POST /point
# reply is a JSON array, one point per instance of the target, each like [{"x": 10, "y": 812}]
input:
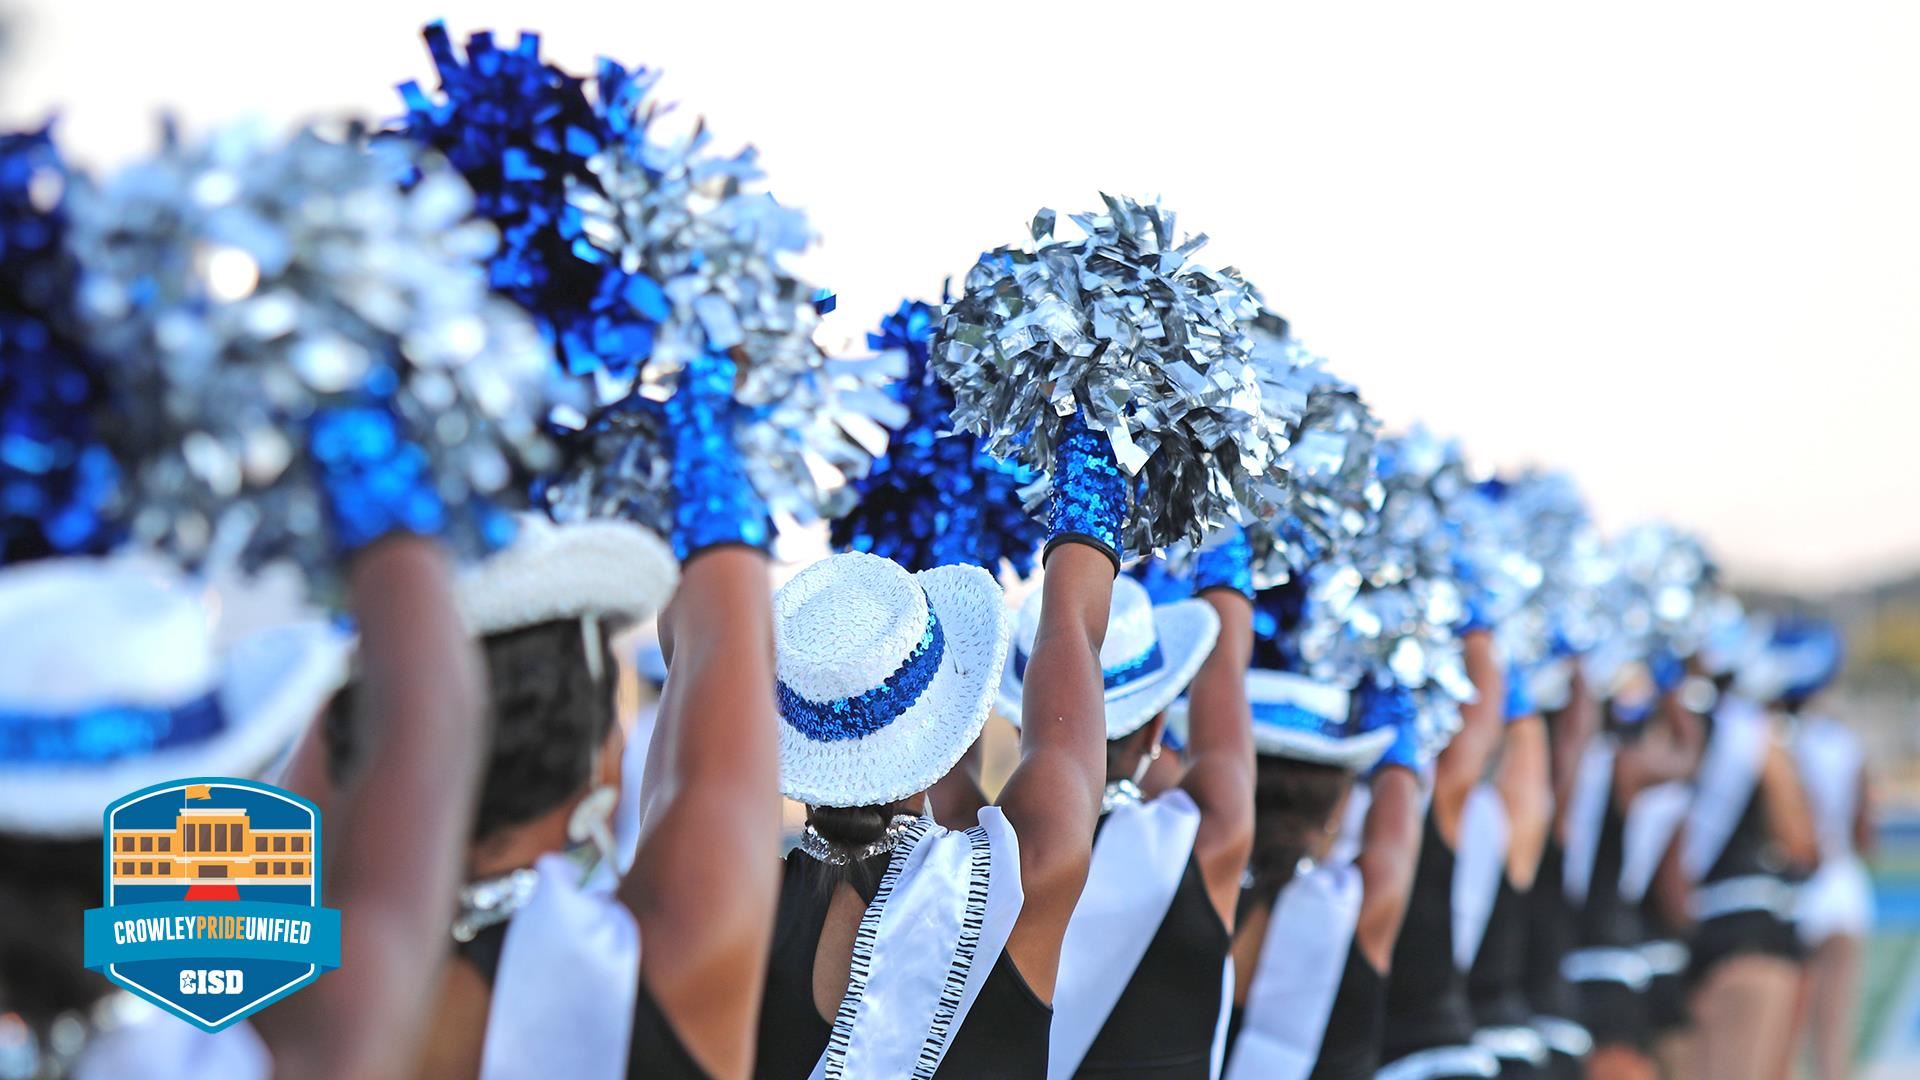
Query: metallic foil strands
[
  {"x": 304, "y": 353},
  {"x": 1125, "y": 328},
  {"x": 936, "y": 497},
  {"x": 57, "y": 481},
  {"x": 638, "y": 255}
]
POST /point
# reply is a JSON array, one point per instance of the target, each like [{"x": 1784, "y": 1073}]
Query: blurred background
[{"x": 1670, "y": 247}]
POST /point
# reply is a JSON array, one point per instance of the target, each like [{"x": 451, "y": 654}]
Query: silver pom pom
[
  {"x": 705, "y": 257},
  {"x": 244, "y": 287},
  {"x": 1150, "y": 345}
]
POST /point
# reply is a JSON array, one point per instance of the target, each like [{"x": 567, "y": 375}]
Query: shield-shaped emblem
[{"x": 212, "y": 898}]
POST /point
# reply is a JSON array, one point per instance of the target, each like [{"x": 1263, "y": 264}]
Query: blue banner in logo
[
  {"x": 233, "y": 930},
  {"x": 213, "y": 898}
]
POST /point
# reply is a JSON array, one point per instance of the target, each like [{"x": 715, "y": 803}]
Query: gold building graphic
[{"x": 212, "y": 845}]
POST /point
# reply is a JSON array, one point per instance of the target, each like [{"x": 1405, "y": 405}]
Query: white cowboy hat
[
  {"x": 1307, "y": 720},
  {"x": 1149, "y": 656},
  {"x": 111, "y": 681},
  {"x": 610, "y": 569},
  {"x": 885, "y": 677}
]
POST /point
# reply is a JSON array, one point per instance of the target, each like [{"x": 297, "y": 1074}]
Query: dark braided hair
[
  {"x": 1293, "y": 803},
  {"x": 550, "y": 716},
  {"x": 45, "y": 887}
]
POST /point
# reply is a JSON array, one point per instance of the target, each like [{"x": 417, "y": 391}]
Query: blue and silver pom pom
[
  {"x": 936, "y": 498},
  {"x": 1127, "y": 330},
  {"x": 304, "y": 353},
  {"x": 1335, "y": 490},
  {"x": 57, "y": 482},
  {"x": 638, "y": 255}
]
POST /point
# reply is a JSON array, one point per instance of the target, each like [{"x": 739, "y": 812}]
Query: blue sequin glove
[
  {"x": 1519, "y": 694},
  {"x": 714, "y": 502},
  {"x": 374, "y": 483},
  {"x": 1668, "y": 670},
  {"x": 1087, "y": 503},
  {"x": 1225, "y": 562},
  {"x": 1393, "y": 708}
]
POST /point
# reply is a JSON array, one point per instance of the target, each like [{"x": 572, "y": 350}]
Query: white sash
[
  {"x": 1353, "y": 825},
  {"x": 162, "y": 1046},
  {"x": 1653, "y": 817},
  {"x": 633, "y": 769},
  {"x": 1138, "y": 861},
  {"x": 1829, "y": 757},
  {"x": 1586, "y": 811},
  {"x": 938, "y": 922},
  {"x": 1218, "y": 1058},
  {"x": 1300, "y": 967},
  {"x": 563, "y": 998},
  {"x": 1479, "y": 866},
  {"x": 1728, "y": 774}
]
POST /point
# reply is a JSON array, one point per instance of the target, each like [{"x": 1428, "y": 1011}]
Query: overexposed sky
[{"x": 1673, "y": 247}]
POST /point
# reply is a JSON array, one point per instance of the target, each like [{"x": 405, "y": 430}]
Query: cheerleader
[
  {"x": 1748, "y": 835},
  {"x": 1503, "y": 836},
  {"x": 1144, "y": 963},
  {"x": 1429, "y": 1024},
  {"x": 902, "y": 947},
  {"x": 548, "y": 934},
  {"x": 1316, "y": 925},
  {"x": 1650, "y": 739},
  {"x": 1571, "y": 715},
  {"x": 1834, "y": 913},
  {"x": 96, "y": 645}
]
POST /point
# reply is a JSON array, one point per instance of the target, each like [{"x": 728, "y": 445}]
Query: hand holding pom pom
[{"x": 715, "y": 504}]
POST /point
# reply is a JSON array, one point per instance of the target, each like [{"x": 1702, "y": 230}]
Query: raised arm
[
  {"x": 1526, "y": 791},
  {"x": 1389, "y": 855},
  {"x": 397, "y": 836},
  {"x": 1573, "y": 727},
  {"x": 1220, "y": 766},
  {"x": 1053, "y": 797},
  {"x": 1464, "y": 761},
  {"x": 705, "y": 877}
]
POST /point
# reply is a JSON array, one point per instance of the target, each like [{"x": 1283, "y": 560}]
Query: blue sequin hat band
[
  {"x": 1119, "y": 677},
  {"x": 1304, "y": 719},
  {"x": 108, "y": 734},
  {"x": 1150, "y": 654},
  {"x": 119, "y": 673},
  {"x": 884, "y": 678},
  {"x": 864, "y": 714}
]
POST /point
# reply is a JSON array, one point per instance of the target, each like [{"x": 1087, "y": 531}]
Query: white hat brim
[
  {"x": 929, "y": 737},
  {"x": 612, "y": 569},
  {"x": 1187, "y": 630},
  {"x": 272, "y": 684},
  {"x": 1355, "y": 752}
]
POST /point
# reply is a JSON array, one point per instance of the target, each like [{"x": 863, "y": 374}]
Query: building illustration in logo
[
  {"x": 212, "y": 898},
  {"x": 212, "y": 844}
]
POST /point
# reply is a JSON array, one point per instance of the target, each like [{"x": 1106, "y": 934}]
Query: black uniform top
[
  {"x": 1552, "y": 928},
  {"x": 1351, "y": 1048},
  {"x": 1004, "y": 1034},
  {"x": 1426, "y": 998},
  {"x": 1164, "y": 1023},
  {"x": 653, "y": 1048},
  {"x": 1750, "y": 848},
  {"x": 1608, "y": 919},
  {"x": 1496, "y": 984}
]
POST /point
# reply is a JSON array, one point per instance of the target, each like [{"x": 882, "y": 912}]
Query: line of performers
[{"x": 1335, "y": 758}]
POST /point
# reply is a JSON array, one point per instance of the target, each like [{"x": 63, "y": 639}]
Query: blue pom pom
[
  {"x": 521, "y": 132},
  {"x": 56, "y": 479},
  {"x": 936, "y": 498}
]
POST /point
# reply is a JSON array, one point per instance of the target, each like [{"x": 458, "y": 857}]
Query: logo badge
[{"x": 213, "y": 899}]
